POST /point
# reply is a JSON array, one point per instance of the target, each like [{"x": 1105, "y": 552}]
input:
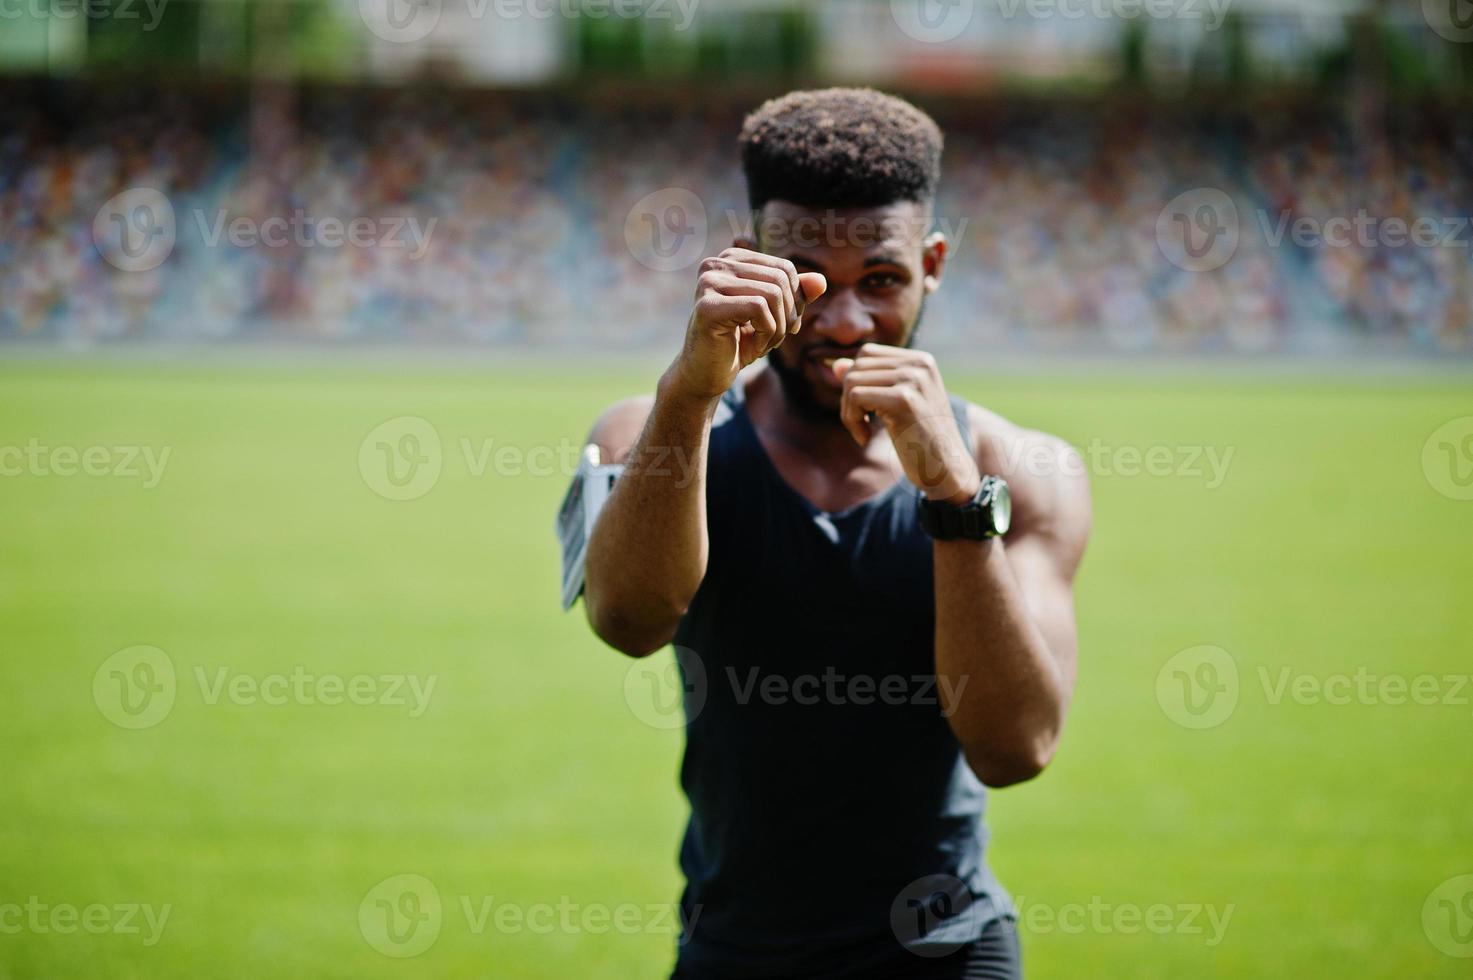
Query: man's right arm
[{"x": 647, "y": 553}]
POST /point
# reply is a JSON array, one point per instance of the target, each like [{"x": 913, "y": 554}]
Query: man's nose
[{"x": 841, "y": 318}]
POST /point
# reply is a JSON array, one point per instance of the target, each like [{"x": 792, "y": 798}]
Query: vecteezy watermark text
[
  {"x": 301, "y": 230},
  {"x": 940, "y": 21},
  {"x": 1200, "y": 230},
  {"x": 403, "y": 458},
  {"x": 125, "y": 462},
  {"x": 137, "y": 230},
  {"x": 835, "y": 688},
  {"x": 1362, "y": 229},
  {"x": 668, "y": 693},
  {"x": 403, "y": 915},
  {"x": 1103, "y": 917},
  {"x": 1201, "y": 687},
  {"x": 137, "y": 687},
  {"x": 97, "y": 918},
  {"x": 92, "y": 10},
  {"x": 411, "y": 21}
]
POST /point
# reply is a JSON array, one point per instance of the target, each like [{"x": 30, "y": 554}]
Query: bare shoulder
[
  {"x": 1047, "y": 477},
  {"x": 616, "y": 430}
]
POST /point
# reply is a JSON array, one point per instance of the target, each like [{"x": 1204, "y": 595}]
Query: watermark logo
[
  {"x": 400, "y": 459},
  {"x": 1447, "y": 917},
  {"x": 401, "y": 915},
  {"x": 1198, "y": 230},
  {"x": 1451, "y": 19},
  {"x": 666, "y": 230},
  {"x": 400, "y": 21},
  {"x": 935, "y": 915},
  {"x": 297, "y": 229},
  {"x": 138, "y": 229},
  {"x": 135, "y": 687},
  {"x": 1447, "y": 458},
  {"x": 135, "y": 231},
  {"x": 1198, "y": 687},
  {"x": 666, "y": 693},
  {"x": 411, "y": 691},
  {"x": 404, "y": 457},
  {"x": 933, "y": 21}
]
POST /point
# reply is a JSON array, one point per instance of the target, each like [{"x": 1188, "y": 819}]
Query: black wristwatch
[{"x": 987, "y": 515}]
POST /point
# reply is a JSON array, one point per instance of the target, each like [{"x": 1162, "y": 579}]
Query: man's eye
[{"x": 882, "y": 280}]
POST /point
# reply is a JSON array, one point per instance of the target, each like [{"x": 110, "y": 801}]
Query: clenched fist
[
  {"x": 903, "y": 388},
  {"x": 746, "y": 304}
]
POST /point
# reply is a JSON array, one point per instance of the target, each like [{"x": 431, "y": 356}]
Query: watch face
[{"x": 1002, "y": 507}]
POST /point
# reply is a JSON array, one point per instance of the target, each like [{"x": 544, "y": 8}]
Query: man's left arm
[
  {"x": 1006, "y": 643},
  {"x": 1005, "y": 637}
]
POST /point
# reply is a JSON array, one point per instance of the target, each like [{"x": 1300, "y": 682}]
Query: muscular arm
[
  {"x": 1006, "y": 643},
  {"x": 647, "y": 554}
]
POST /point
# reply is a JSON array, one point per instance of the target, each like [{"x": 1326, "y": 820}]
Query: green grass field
[{"x": 527, "y": 780}]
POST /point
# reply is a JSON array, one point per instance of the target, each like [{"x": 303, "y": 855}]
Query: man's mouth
[{"x": 823, "y": 367}]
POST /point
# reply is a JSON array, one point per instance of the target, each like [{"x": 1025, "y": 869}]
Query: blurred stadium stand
[{"x": 527, "y": 140}]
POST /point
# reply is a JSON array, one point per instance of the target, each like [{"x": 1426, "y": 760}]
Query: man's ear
[{"x": 933, "y": 259}]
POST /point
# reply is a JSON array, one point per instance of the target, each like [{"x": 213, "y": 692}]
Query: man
[{"x": 822, "y": 538}]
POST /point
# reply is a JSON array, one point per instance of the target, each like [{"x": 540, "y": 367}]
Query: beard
[
  {"x": 799, "y": 393},
  {"x": 802, "y": 395}
]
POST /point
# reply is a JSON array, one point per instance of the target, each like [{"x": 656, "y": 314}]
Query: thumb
[
  {"x": 813, "y": 285},
  {"x": 855, "y": 419}
]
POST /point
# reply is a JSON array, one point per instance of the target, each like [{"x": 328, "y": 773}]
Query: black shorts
[{"x": 994, "y": 956}]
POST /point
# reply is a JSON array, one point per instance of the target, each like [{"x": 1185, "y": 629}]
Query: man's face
[{"x": 880, "y": 264}]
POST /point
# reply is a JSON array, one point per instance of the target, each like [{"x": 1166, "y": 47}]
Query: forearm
[
  {"x": 647, "y": 554},
  {"x": 1005, "y": 693}
]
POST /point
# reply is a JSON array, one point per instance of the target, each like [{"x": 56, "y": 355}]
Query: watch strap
[{"x": 970, "y": 521}]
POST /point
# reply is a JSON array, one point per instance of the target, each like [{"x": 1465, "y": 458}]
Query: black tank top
[{"x": 825, "y": 785}]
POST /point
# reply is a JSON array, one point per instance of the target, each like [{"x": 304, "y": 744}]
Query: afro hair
[{"x": 840, "y": 147}]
